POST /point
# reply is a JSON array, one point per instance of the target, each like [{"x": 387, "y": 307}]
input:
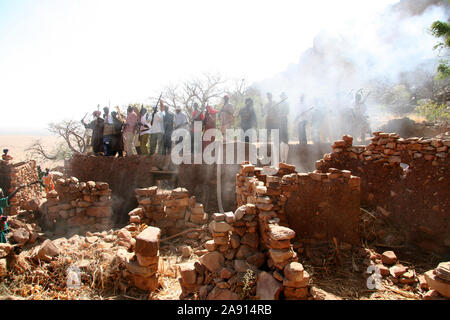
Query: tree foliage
[{"x": 441, "y": 30}]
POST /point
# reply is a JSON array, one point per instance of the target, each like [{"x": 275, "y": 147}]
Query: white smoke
[{"x": 364, "y": 54}]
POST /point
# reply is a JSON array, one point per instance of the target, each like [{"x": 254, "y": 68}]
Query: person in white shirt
[
  {"x": 144, "y": 131},
  {"x": 157, "y": 130},
  {"x": 181, "y": 122}
]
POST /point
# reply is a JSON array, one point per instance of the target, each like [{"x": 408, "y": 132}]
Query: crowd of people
[{"x": 147, "y": 133}]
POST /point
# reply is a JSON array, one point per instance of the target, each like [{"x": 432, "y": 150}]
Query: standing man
[
  {"x": 283, "y": 111},
  {"x": 108, "y": 132},
  {"x": 97, "y": 126},
  {"x": 137, "y": 140},
  {"x": 226, "y": 116},
  {"x": 168, "y": 129},
  {"x": 248, "y": 117},
  {"x": 209, "y": 123},
  {"x": 302, "y": 120},
  {"x": 197, "y": 115},
  {"x": 157, "y": 130},
  {"x": 269, "y": 112},
  {"x": 130, "y": 131},
  {"x": 144, "y": 133},
  {"x": 118, "y": 145},
  {"x": 181, "y": 122}
]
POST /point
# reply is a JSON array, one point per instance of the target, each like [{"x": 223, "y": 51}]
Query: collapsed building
[{"x": 271, "y": 214}]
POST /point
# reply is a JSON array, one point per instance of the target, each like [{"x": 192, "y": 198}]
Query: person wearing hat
[
  {"x": 96, "y": 126},
  {"x": 226, "y": 116}
]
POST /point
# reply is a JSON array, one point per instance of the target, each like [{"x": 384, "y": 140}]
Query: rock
[
  {"x": 21, "y": 236},
  {"x": 135, "y": 268},
  {"x": 145, "y": 283},
  {"x": 188, "y": 273},
  {"x": 47, "y": 251},
  {"x": 389, "y": 257},
  {"x": 213, "y": 261},
  {"x": 210, "y": 245},
  {"x": 384, "y": 271},
  {"x": 441, "y": 286},
  {"x": 3, "y": 268},
  {"x": 267, "y": 288},
  {"x": 257, "y": 259},
  {"x": 319, "y": 294},
  {"x": 422, "y": 282},
  {"x": 147, "y": 242},
  {"x": 5, "y": 249},
  {"x": 222, "y": 294},
  {"x": 186, "y": 251},
  {"x": 397, "y": 270},
  {"x": 229, "y": 217},
  {"x": 432, "y": 295},
  {"x": 280, "y": 256},
  {"x": 226, "y": 273},
  {"x": 243, "y": 266},
  {"x": 145, "y": 261},
  {"x": 280, "y": 233},
  {"x": 219, "y": 227},
  {"x": 294, "y": 271},
  {"x": 239, "y": 213},
  {"x": 443, "y": 270},
  {"x": 135, "y": 219}
]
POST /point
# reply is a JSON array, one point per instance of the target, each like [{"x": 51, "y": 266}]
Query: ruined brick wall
[
  {"x": 172, "y": 211},
  {"x": 12, "y": 175},
  {"x": 314, "y": 205},
  {"x": 416, "y": 199},
  {"x": 78, "y": 206}
]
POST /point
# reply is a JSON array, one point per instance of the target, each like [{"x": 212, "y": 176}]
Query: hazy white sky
[{"x": 60, "y": 58}]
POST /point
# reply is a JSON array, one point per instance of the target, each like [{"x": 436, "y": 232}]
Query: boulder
[
  {"x": 222, "y": 294},
  {"x": 21, "y": 236},
  {"x": 213, "y": 261},
  {"x": 280, "y": 233},
  {"x": 147, "y": 242},
  {"x": 267, "y": 288},
  {"x": 294, "y": 271},
  {"x": 319, "y": 294},
  {"x": 443, "y": 270},
  {"x": 435, "y": 283},
  {"x": 388, "y": 257},
  {"x": 47, "y": 251}
]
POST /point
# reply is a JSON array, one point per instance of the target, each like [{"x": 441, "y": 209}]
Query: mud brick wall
[
  {"x": 12, "y": 175},
  {"x": 315, "y": 205},
  {"x": 416, "y": 199},
  {"x": 81, "y": 206},
  {"x": 170, "y": 210}
]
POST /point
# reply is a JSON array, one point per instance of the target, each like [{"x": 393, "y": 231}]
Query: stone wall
[
  {"x": 315, "y": 205},
  {"x": 142, "y": 266},
  {"x": 12, "y": 175},
  {"x": 417, "y": 198},
  {"x": 170, "y": 210},
  {"x": 250, "y": 239},
  {"x": 78, "y": 206}
]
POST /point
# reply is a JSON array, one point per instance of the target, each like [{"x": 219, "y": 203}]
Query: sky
[{"x": 60, "y": 58}]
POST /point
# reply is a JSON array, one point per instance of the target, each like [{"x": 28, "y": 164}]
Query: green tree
[{"x": 441, "y": 30}]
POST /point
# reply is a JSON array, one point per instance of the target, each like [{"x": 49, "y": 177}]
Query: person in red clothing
[
  {"x": 209, "y": 123},
  {"x": 197, "y": 115}
]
